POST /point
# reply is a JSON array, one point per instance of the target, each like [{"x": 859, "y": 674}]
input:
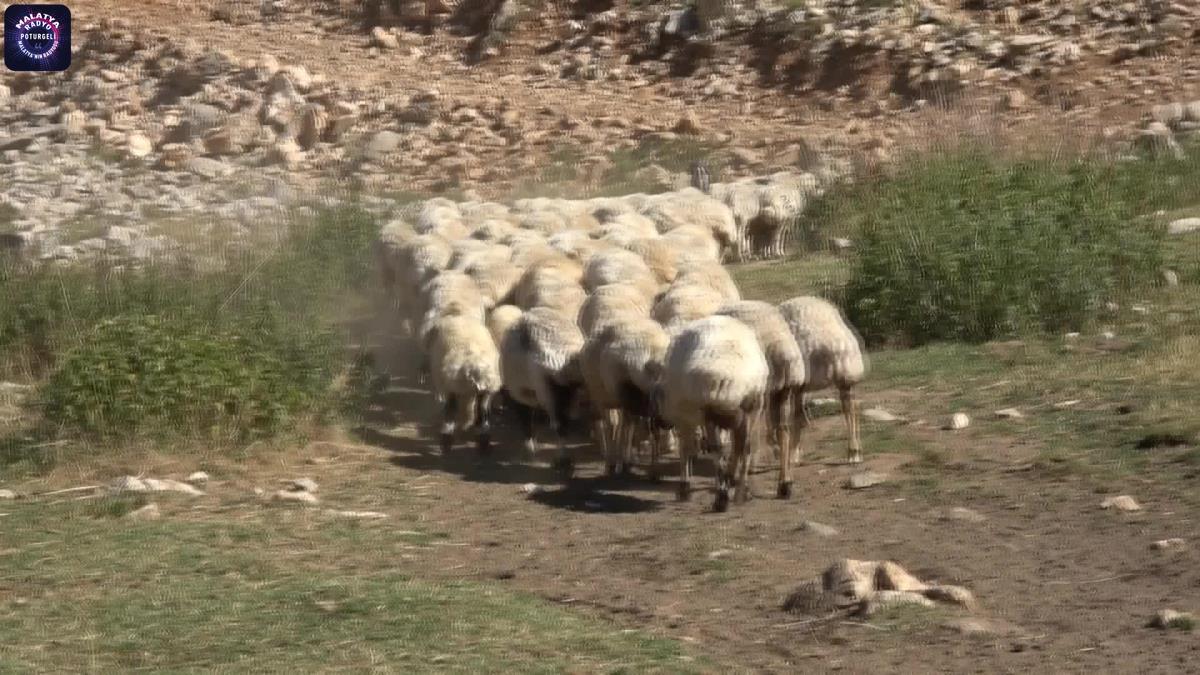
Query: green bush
[
  {"x": 148, "y": 375},
  {"x": 972, "y": 247},
  {"x": 236, "y": 354}
]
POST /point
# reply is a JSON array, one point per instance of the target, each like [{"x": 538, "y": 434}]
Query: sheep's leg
[
  {"x": 600, "y": 428},
  {"x": 657, "y": 440},
  {"x": 525, "y": 422},
  {"x": 449, "y": 413},
  {"x": 687, "y": 449},
  {"x": 483, "y": 422},
  {"x": 850, "y": 412},
  {"x": 802, "y": 420},
  {"x": 559, "y": 413},
  {"x": 741, "y": 451},
  {"x": 781, "y": 414},
  {"x": 628, "y": 427}
]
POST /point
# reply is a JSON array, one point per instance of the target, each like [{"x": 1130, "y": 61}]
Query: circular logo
[{"x": 37, "y": 35}]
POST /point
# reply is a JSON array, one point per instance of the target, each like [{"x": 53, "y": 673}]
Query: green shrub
[
  {"x": 971, "y": 247},
  {"x": 152, "y": 376}
]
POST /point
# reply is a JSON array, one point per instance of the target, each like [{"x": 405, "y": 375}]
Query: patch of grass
[
  {"x": 256, "y": 595},
  {"x": 246, "y": 350},
  {"x": 821, "y": 275},
  {"x": 970, "y": 247},
  {"x": 909, "y": 618}
]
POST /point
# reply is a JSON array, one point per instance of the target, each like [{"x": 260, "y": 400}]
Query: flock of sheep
[{"x": 619, "y": 312}]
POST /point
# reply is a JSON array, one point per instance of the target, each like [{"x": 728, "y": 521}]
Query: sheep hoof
[
  {"x": 721, "y": 505},
  {"x": 785, "y": 490},
  {"x": 484, "y": 444},
  {"x": 565, "y": 466},
  {"x": 610, "y": 470},
  {"x": 447, "y": 443},
  {"x": 685, "y": 492}
]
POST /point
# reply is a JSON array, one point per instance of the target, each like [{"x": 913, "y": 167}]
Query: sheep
[
  {"x": 544, "y": 222},
  {"x": 554, "y": 270},
  {"x": 464, "y": 369},
  {"x": 693, "y": 242},
  {"x": 441, "y": 216},
  {"x": 629, "y": 221},
  {"x": 539, "y": 368},
  {"x": 388, "y": 249},
  {"x": 710, "y": 275},
  {"x": 659, "y": 255},
  {"x": 476, "y": 213},
  {"x": 692, "y": 207},
  {"x": 684, "y": 303},
  {"x": 785, "y": 383},
  {"x": 493, "y": 230},
  {"x": 619, "y": 265},
  {"x": 715, "y": 374},
  {"x": 834, "y": 356},
  {"x": 612, "y": 303},
  {"x": 416, "y": 262},
  {"x": 495, "y": 276},
  {"x": 617, "y": 363},
  {"x": 500, "y": 319}
]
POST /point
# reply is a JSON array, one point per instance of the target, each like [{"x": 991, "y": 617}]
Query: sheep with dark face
[
  {"x": 785, "y": 384},
  {"x": 834, "y": 357},
  {"x": 539, "y": 367},
  {"x": 715, "y": 374},
  {"x": 465, "y": 373}
]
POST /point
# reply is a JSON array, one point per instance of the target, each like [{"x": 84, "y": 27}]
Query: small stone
[
  {"x": 977, "y": 626},
  {"x": 1172, "y": 544},
  {"x": 288, "y": 153},
  {"x": 365, "y": 515},
  {"x": 1121, "y": 503},
  {"x": 1009, "y": 414},
  {"x": 1062, "y": 405},
  {"x": 1170, "y": 618},
  {"x": 304, "y": 484},
  {"x": 295, "y": 496},
  {"x": 147, "y": 512},
  {"x": 197, "y": 477},
  {"x": 842, "y": 245},
  {"x": 1184, "y": 226},
  {"x": 382, "y": 144},
  {"x": 1170, "y": 278},
  {"x": 865, "y": 479},
  {"x": 1015, "y": 100},
  {"x": 964, "y": 514},
  {"x": 138, "y": 146},
  {"x": 819, "y": 529},
  {"x": 7, "y": 494},
  {"x": 381, "y": 38},
  {"x": 532, "y": 488},
  {"x": 879, "y": 415},
  {"x": 958, "y": 421},
  {"x": 688, "y": 124}
]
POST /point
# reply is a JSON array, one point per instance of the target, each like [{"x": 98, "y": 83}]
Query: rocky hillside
[{"x": 236, "y": 110}]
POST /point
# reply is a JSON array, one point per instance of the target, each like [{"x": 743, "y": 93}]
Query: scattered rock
[
  {"x": 958, "y": 421},
  {"x": 964, "y": 514},
  {"x": 865, "y": 479},
  {"x": 366, "y": 515},
  {"x": 301, "y": 496},
  {"x": 303, "y": 484},
  {"x": 1183, "y": 226},
  {"x": 382, "y": 144},
  {"x": 978, "y": 626},
  {"x": 135, "y": 484},
  {"x": 819, "y": 529},
  {"x": 1009, "y": 413},
  {"x": 532, "y": 488},
  {"x": 147, "y": 512},
  {"x": 1170, "y": 618},
  {"x": 138, "y": 146},
  {"x": 1172, "y": 544},
  {"x": 381, "y": 38},
  {"x": 1170, "y": 278},
  {"x": 841, "y": 245},
  {"x": 879, "y": 415},
  {"x": 1121, "y": 503},
  {"x": 200, "y": 477}
]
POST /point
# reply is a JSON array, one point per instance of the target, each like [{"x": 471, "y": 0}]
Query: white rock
[
  {"x": 1170, "y": 278},
  {"x": 964, "y": 514},
  {"x": 303, "y": 484},
  {"x": 147, "y": 512},
  {"x": 138, "y": 146},
  {"x": 879, "y": 415},
  {"x": 197, "y": 477},
  {"x": 1009, "y": 414},
  {"x": 381, "y": 38},
  {"x": 819, "y": 529},
  {"x": 532, "y": 488},
  {"x": 368, "y": 515},
  {"x": 135, "y": 484},
  {"x": 295, "y": 496},
  {"x": 1121, "y": 503},
  {"x": 7, "y": 494},
  {"x": 865, "y": 479},
  {"x": 958, "y": 421},
  {"x": 1183, "y": 226},
  {"x": 1170, "y": 618},
  {"x": 1171, "y": 544}
]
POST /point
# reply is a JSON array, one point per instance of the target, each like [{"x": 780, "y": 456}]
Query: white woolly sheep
[
  {"x": 710, "y": 275},
  {"x": 618, "y": 364},
  {"x": 834, "y": 356},
  {"x": 693, "y": 242},
  {"x": 659, "y": 255},
  {"x": 785, "y": 383},
  {"x": 715, "y": 375},
  {"x": 692, "y": 207},
  {"x": 464, "y": 369},
  {"x": 683, "y": 303},
  {"x": 416, "y": 262},
  {"x": 612, "y": 303},
  {"x": 618, "y": 265},
  {"x": 539, "y": 367}
]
